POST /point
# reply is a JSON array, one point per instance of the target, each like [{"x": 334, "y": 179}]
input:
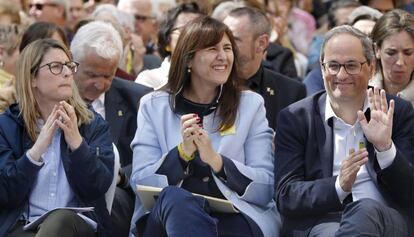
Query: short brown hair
[{"x": 391, "y": 23}]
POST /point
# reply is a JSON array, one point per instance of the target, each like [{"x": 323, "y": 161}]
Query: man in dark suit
[
  {"x": 98, "y": 48},
  {"x": 251, "y": 28},
  {"x": 345, "y": 157},
  {"x": 281, "y": 60}
]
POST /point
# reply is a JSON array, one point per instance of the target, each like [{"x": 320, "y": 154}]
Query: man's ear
[
  {"x": 373, "y": 67},
  {"x": 261, "y": 43},
  {"x": 377, "y": 51}
]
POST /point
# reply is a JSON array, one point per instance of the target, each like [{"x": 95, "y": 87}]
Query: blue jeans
[{"x": 178, "y": 213}]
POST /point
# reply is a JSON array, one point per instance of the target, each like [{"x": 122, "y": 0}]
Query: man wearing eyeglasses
[
  {"x": 145, "y": 22},
  {"x": 345, "y": 157},
  {"x": 54, "y": 11}
]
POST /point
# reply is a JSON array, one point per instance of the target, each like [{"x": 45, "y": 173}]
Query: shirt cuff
[
  {"x": 385, "y": 158},
  {"x": 341, "y": 193},
  {"x": 38, "y": 163}
]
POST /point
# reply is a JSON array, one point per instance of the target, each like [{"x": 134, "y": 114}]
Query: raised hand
[
  {"x": 207, "y": 154},
  {"x": 189, "y": 131},
  {"x": 68, "y": 122},
  {"x": 45, "y": 137},
  {"x": 350, "y": 167},
  {"x": 378, "y": 130}
]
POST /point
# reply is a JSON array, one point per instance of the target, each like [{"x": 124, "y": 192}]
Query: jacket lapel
[
  {"x": 372, "y": 160},
  {"x": 114, "y": 113},
  {"x": 324, "y": 136}
]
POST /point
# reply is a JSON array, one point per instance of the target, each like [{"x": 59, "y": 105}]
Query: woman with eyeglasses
[
  {"x": 203, "y": 133},
  {"x": 168, "y": 34},
  {"x": 393, "y": 37},
  {"x": 54, "y": 151}
]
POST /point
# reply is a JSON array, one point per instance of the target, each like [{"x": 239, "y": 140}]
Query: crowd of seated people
[{"x": 138, "y": 117}]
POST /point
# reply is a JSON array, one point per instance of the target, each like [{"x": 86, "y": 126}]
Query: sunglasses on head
[{"x": 39, "y": 6}]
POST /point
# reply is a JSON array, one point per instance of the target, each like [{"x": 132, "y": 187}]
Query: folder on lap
[{"x": 148, "y": 195}]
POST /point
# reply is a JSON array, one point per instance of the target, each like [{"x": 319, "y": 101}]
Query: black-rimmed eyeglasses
[
  {"x": 56, "y": 68},
  {"x": 39, "y": 6},
  {"x": 352, "y": 67}
]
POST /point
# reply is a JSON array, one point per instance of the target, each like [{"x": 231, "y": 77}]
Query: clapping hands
[
  {"x": 195, "y": 138},
  {"x": 68, "y": 122},
  {"x": 63, "y": 116}
]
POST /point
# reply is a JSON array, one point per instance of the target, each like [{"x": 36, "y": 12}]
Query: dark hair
[
  {"x": 367, "y": 17},
  {"x": 366, "y": 42},
  {"x": 201, "y": 33},
  {"x": 339, "y": 5},
  {"x": 368, "y": 2},
  {"x": 81, "y": 23},
  {"x": 259, "y": 23},
  {"x": 41, "y": 30},
  {"x": 391, "y": 23},
  {"x": 364, "y": 13},
  {"x": 168, "y": 23}
]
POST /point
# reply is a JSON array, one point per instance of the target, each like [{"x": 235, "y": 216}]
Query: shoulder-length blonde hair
[
  {"x": 26, "y": 71},
  {"x": 202, "y": 33}
]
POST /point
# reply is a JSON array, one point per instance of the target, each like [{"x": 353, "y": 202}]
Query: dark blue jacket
[
  {"x": 306, "y": 193},
  {"x": 89, "y": 169}
]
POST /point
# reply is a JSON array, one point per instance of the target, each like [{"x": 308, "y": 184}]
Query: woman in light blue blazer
[{"x": 202, "y": 133}]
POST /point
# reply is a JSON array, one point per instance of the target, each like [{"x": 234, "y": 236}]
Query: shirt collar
[
  {"x": 254, "y": 81},
  {"x": 330, "y": 113},
  {"x": 100, "y": 99}
]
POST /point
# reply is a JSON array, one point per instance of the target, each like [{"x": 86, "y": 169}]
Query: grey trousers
[
  {"x": 367, "y": 218},
  {"x": 62, "y": 223}
]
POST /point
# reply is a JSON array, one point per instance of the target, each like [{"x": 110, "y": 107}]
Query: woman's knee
[
  {"x": 177, "y": 199},
  {"x": 172, "y": 195}
]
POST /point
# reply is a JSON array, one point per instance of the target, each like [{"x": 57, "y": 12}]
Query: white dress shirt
[
  {"x": 51, "y": 188},
  {"x": 351, "y": 136},
  {"x": 99, "y": 105}
]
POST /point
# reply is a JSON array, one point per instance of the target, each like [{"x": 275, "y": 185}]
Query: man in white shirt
[{"x": 344, "y": 158}]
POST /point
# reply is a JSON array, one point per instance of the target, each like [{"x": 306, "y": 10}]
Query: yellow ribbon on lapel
[{"x": 231, "y": 130}]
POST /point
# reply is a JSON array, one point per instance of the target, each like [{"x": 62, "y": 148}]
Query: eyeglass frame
[
  {"x": 139, "y": 17},
  {"x": 40, "y": 6},
  {"x": 61, "y": 70},
  {"x": 344, "y": 66}
]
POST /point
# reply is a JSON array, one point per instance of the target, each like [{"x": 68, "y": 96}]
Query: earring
[
  {"x": 189, "y": 69},
  {"x": 220, "y": 92},
  {"x": 1, "y": 64}
]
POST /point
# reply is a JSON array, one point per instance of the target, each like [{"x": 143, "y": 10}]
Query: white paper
[{"x": 148, "y": 196}]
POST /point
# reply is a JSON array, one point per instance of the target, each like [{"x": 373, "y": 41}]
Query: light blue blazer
[{"x": 250, "y": 147}]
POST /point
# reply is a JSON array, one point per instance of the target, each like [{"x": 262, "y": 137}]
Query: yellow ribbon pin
[{"x": 231, "y": 130}]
